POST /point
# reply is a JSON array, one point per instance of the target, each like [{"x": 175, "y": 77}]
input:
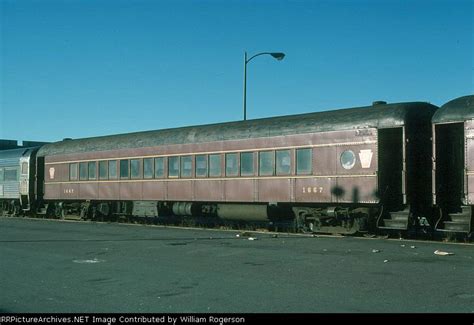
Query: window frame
[
  {"x": 206, "y": 160},
  {"x": 245, "y": 173},
  {"x": 101, "y": 164},
  {"x": 81, "y": 165},
  {"x": 127, "y": 161},
  {"x": 237, "y": 165},
  {"x": 310, "y": 172},
  {"x": 73, "y": 166},
  {"x": 9, "y": 169},
  {"x": 210, "y": 160},
  {"x": 276, "y": 162},
  {"x": 92, "y": 164},
  {"x": 272, "y": 152},
  {"x": 24, "y": 165},
  {"x": 117, "y": 171},
  {"x": 152, "y": 160},
  {"x": 163, "y": 160},
  {"x": 182, "y": 161},
  {"x": 140, "y": 168},
  {"x": 170, "y": 165}
]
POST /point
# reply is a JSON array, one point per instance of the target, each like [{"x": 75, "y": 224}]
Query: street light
[{"x": 277, "y": 55}]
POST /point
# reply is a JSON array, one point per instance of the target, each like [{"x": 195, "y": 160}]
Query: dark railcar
[
  {"x": 453, "y": 165},
  {"x": 334, "y": 171}
]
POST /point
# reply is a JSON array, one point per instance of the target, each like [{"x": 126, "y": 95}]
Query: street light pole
[{"x": 277, "y": 55}]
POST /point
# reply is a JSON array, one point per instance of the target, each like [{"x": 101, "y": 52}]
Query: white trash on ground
[{"x": 438, "y": 252}]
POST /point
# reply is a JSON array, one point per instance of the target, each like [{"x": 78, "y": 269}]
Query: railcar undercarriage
[{"x": 347, "y": 220}]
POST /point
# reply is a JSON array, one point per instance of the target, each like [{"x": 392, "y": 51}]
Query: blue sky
[{"x": 86, "y": 68}]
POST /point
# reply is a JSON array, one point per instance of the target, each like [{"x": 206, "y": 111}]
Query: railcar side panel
[
  {"x": 315, "y": 189},
  {"x": 57, "y": 173},
  {"x": 324, "y": 161},
  {"x": 364, "y": 163},
  {"x": 70, "y": 191},
  {"x": 88, "y": 190},
  {"x": 274, "y": 190},
  {"x": 180, "y": 190},
  {"x": 154, "y": 190},
  {"x": 240, "y": 190},
  {"x": 52, "y": 191},
  {"x": 327, "y": 148},
  {"x": 130, "y": 191},
  {"x": 209, "y": 190},
  {"x": 355, "y": 190}
]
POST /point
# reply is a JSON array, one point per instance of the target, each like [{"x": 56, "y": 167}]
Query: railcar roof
[
  {"x": 16, "y": 153},
  {"x": 379, "y": 116},
  {"x": 457, "y": 110}
]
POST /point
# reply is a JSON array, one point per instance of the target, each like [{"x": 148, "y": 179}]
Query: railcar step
[
  {"x": 460, "y": 217},
  {"x": 466, "y": 209},
  {"x": 456, "y": 226},
  {"x": 400, "y": 215},
  {"x": 395, "y": 224},
  {"x": 452, "y": 231},
  {"x": 72, "y": 217}
]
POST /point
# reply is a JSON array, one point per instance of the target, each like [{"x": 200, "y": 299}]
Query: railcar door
[
  {"x": 391, "y": 171},
  {"x": 24, "y": 183},
  {"x": 449, "y": 164},
  {"x": 39, "y": 179},
  {"x": 469, "y": 136}
]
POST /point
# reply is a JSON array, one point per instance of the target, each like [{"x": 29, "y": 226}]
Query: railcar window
[
  {"x": 1, "y": 175},
  {"x": 124, "y": 168},
  {"x": 186, "y": 166},
  {"x": 304, "y": 161},
  {"x": 160, "y": 167},
  {"x": 283, "y": 162},
  {"x": 348, "y": 159},
  {"x": 83, "y": 171},
  {"x": 92, "y": 170},
  {"x": 267, "y": 163},
  {"x": 231, "y": 164},
  {"x": 73, "y": 172},
  {"x": 246, "y": 164},
  {"x": 173, "y": 167},
  {"x": 135, "y": 168},
  {"x": 103, "y": 169},
  {"x": 148, "y": 168},
  {"x": 24, "y": 168},
  {"x": 215, "y": 165},
  {"x": 11, "y": 174},
  {"x": 201, "y": 166},
  {"x": 112, "y": 169}
]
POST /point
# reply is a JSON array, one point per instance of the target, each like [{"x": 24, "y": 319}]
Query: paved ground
[{"x": 51, "y": 266}]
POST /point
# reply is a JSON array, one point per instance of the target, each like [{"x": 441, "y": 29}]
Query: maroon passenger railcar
[{"x": 336, "y": 171}]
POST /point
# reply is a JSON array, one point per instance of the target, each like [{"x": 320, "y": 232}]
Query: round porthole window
[{"x": 348, "y": 159}]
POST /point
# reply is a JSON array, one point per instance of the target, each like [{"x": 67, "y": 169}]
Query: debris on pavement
[{"x": 442, "y": 253}]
